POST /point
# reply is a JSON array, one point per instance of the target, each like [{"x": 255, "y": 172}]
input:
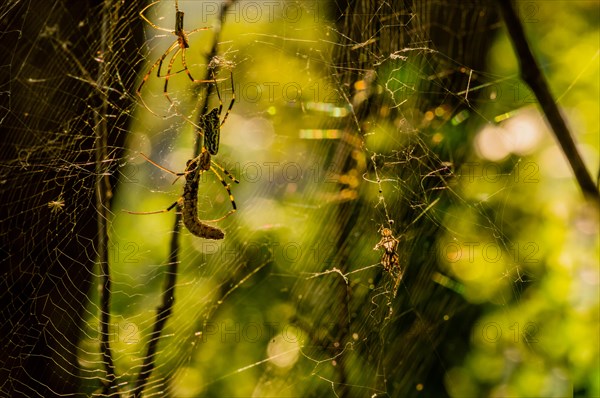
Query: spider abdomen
[{"x": 211, "y": 128}]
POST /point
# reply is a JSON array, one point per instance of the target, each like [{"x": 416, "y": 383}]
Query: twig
[
  {"x": 163, "y": 312},
  {"x": 103, "y": 196},
  {"x": 212, "y": 69},
  {"x": 532, "y": 75}
]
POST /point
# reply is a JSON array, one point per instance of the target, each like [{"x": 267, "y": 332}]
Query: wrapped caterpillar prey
[{"x": 189, "y": 201}]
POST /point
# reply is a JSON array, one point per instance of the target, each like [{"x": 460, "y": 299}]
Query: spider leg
[
  {"x": 187, "y": 71},
  {"x": 148, "y": 21},
  {"x": 228, "y": 110},
  {"x": 161, "y": 167},
  {"x": 153, "y": 212},
  {"x": 198, "y": 30},
  {"x": 166, "y": 86},
  {"x": 182, "y": 43},
  {"x": 169, "y": 69},
  {"x": 397, "y": 284},
  {"x": 227, "y": 173},
  {"x": 178, "y": 175},
  {"x": 230, "y": 212},
  {"x": 158, "y": 62},
  {"x": 226, "y": 186},
  {"x": 231, "y": 103}
]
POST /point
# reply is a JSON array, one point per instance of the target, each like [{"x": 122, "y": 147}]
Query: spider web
[{"x": 349, "y": 117}]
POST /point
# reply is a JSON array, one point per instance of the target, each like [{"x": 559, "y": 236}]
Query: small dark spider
[
  {"x": 390, "y": 259},
  {"x": 181, "y": 44}
]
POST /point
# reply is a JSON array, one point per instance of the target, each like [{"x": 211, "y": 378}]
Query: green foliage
[{"x": 294, "y": 300}]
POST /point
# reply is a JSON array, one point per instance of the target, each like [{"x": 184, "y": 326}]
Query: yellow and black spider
[{"x": 210, "y": 127}]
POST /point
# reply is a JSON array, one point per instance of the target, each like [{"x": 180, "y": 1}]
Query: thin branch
[
  {"x": 163, "y": 312},
  {"x": 103, "y": 196},
  {"x": 532, "y": 75},
  {"x": 212, "y": 69}
]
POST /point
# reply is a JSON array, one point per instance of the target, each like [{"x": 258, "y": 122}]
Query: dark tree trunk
[{"x": 51, "y": 107}]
